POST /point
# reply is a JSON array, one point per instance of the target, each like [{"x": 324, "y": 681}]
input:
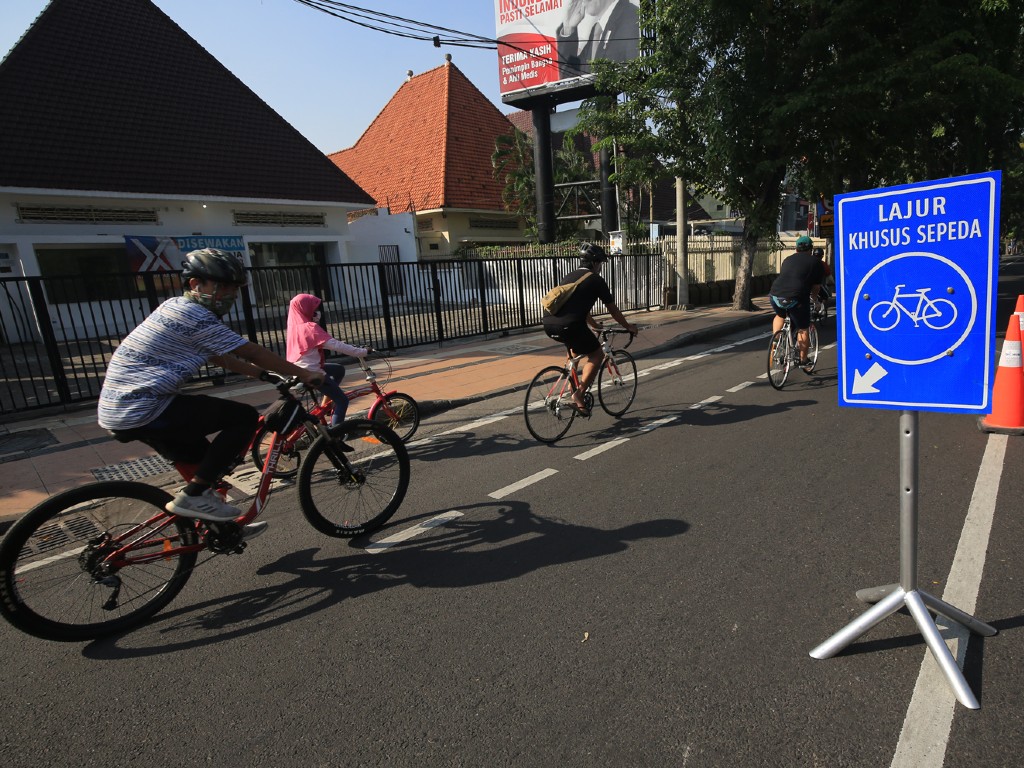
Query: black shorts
[
  {"x": 576, "y": 335},
  {"x": 798, "y": 309}
]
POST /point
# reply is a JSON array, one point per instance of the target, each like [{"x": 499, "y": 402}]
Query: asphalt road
[{"x": 649, "y": 604}]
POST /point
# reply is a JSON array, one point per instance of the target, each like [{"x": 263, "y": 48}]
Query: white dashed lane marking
[
  {"x": 601, "y": 448},
  {"x": 379, "y": 546},
  {"x": 524, "y": 483}
]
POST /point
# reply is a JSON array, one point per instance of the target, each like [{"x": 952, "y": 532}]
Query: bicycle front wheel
[
  {"x": 400, "y": 413},
  {"x": 547, "y": 408},
  {"x": 616, "y": 383},
  {"x": 94, "y": 560},
  {"x": 779, "y": 358},
  {"x": 288, "y": 459},
  {"x": 345, "y": 494}
]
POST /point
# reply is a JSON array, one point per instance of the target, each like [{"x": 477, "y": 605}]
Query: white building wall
[{"x": 368, "y": 233}]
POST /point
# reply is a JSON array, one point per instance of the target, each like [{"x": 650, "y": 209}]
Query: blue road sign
[{"x": 915, "y": 294}]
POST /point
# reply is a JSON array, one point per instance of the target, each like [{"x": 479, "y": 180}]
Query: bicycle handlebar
[
  {"x": 282, "y": 384},
  {"x": 606, "y": 332}
]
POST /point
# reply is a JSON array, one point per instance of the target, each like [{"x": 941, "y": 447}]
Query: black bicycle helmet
[
  {"x": 818, "y": 252},
  {"x": 214, "y": 264},
  {"x": 592, "y": 254}
]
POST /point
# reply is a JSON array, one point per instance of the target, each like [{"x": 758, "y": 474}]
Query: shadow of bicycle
[{"x": 491, "y": 542}]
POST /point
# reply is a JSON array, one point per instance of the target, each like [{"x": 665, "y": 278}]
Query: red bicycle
[
  {"x": 396, "y": 410},
  {"x": 104, "y": 557}
]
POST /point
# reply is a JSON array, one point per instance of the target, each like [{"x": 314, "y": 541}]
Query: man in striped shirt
[{"x": 141, "y": 398}]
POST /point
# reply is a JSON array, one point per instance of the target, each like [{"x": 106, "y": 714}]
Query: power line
[{"x": 411, "y": 29}]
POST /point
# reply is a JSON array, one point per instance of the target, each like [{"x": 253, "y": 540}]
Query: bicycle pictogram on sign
[
  {"x": 937, "y": 314},
  {"x": 882, "y": 301}
]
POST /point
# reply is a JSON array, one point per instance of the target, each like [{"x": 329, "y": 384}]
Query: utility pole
[
  {"x": 681, "y": 267},
  {"x": 609, "y": 206}
]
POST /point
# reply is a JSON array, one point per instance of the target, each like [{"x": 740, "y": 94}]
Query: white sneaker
[
  {"x": 206, "y": 506},
  {"x": 252, "y": 530}
]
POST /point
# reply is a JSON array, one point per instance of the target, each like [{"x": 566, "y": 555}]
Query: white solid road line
[
  {"x": 445, "y": 517},
  {"x": 526, "y": 481},
  {"x": 925, "y": 733}
]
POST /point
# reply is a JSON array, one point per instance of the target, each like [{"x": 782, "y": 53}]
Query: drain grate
[{"x": 136, "y": 469}]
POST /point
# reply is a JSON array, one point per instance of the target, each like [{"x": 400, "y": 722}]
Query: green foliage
[
  {"x": 512, "y": 164},
  {"x": 741, "y": 96}
]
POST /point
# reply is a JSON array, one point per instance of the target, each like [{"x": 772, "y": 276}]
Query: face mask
[{"x": 219, "y": 306}]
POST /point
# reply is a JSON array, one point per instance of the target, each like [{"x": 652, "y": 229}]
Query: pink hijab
[{"x": 303, "y": 333}]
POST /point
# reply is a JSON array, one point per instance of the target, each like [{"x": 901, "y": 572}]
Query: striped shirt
[{"x": 152, "y": 363}]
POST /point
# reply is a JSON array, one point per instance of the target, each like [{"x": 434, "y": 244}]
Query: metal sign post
[{"x": 916, "y": 273}]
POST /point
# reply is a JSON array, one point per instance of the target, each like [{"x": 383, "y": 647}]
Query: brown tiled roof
[
  {"x": 430, "y": 147},
  {"x": 523, "y": 120},
  {"x": 111, "y": 95}
]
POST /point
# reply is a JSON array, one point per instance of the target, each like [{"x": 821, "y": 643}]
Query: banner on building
[
  {"x": 166, "y": 254},
  {"x": 548, "y": 45}
]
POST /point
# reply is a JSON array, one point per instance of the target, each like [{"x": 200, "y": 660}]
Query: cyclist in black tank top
[
  {"x": 570, "y": 324},
  {"x": 800, "y": 278}
]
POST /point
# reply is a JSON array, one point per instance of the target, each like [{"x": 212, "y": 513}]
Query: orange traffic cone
[
  {"x": 1007, "y": 417},
  {"x": 1018, "y": 312}
]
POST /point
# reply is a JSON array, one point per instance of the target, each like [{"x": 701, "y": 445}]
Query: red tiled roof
[
  {"x": 113, "y": 96},
  {"x": 430, "y": 147}
]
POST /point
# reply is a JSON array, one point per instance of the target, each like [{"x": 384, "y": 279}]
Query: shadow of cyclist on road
[{"x": 491, "y": 542}]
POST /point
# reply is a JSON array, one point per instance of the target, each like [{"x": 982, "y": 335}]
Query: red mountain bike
[
  {"x": 104, "y": 557},
  {"x": 396, "y": 410}
]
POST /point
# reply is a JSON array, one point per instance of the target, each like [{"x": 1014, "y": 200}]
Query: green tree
[
  {"x": 904, "y": 91},
  {"x": 710, "y": 99},
  {"x": 738, "y": 96}
]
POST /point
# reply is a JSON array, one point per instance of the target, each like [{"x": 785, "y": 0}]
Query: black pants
[{"x": 179, "y": 433}]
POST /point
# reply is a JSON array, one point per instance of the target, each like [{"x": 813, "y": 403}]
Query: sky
[{"x": 329, "y": 78}]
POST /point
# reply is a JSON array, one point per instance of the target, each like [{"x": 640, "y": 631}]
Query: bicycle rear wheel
[
  {"x": 779, "y": 359},
  {"x": 346, "y": 494},
  {"x": 400, "y": 413},
  {"x": 547, "y": 408},
  {"x": 812, "y": 348},
  {"x": 616, "y": 383},
  {"x": 94, "y": 560}
]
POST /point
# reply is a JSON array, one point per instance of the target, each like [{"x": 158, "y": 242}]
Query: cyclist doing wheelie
[
  {"x": 799, "y": 279},
  {"x": 141, "y": 398},
  {"x": 307, "y": 341},
  {"x": 572, "y": 323}
]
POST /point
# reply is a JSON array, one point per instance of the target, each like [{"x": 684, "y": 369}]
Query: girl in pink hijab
[{"x": 306, "y": 343}]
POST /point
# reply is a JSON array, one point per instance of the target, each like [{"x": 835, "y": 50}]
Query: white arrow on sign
[{"x": 865, "y": 384}]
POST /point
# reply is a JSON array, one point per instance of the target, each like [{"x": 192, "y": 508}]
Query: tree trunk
[{"x": 741, "y": 298}]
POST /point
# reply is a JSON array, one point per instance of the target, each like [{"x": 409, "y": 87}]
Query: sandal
[{"x": 580, "y": 410}]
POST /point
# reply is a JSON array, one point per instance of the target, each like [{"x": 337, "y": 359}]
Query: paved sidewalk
[{"x": 43, "y": 455}]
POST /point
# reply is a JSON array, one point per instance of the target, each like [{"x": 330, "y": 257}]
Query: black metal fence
[{"x": 57, "y": 333}]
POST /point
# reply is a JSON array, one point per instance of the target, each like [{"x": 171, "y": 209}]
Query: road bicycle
[
  {"x": 104, "y": 557},
  {"x": 548, "y": 407},
  {"x": 937, "y": 314},
  {"x": 396, "y": 410},
  {"x": 784, "y": 354}
]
